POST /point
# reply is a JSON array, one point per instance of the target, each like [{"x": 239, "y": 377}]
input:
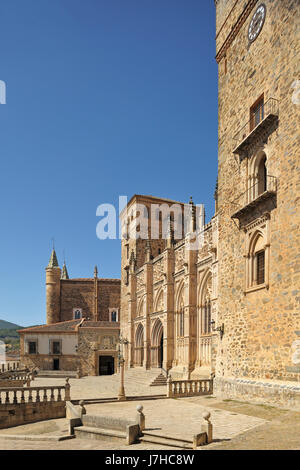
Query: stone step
[
  {"x": 160, "y": 380},
  {"x": 56, "y": 374},
  {"x": 88, "y": 432},
  {"x": 166, "y": 440}
]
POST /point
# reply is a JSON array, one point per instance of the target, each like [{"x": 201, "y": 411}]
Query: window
[
  {"x": 55, "y": 346},
  {"x": 181, "y": 323},
  {"x": 207, "y": 317},
  {"x": 260, "y": 267},
  {"x": 257, "y": 254},
  {"x": 257, "y": 112},
  {"x": 32, "y": 347},
  {"x": 113, "y": 315},
  {"x": 77, "y": 313},
  {"x": 262, "y": 176}
]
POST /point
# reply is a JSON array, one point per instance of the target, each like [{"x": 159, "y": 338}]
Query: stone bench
[{"x": 85, "y": 426}]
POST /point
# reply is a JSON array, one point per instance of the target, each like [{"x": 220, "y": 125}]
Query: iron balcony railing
[
  {"x": 257, "y": 192},
  {"x": 260, "y": 118}
]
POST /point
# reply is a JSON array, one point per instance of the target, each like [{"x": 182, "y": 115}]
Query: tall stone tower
[
  {"x": 258, "y": 208},
  {"x": 53, "y": 275}
]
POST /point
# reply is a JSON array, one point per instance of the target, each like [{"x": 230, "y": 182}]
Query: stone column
[
  {"x": 169, "y": 267},
  {"x": 148, "y": 272}
]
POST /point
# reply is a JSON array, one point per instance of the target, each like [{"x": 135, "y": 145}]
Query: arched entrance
[{"x": 157, "y": 344}]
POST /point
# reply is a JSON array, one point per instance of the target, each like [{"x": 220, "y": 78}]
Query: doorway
[
  {"x": 161, "y": 351},
  {"x": 106, "y": 365},
  {"x": 55, "y": 364}
]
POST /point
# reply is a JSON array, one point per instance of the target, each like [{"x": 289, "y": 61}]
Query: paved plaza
[{"x": 237, "y": 425}]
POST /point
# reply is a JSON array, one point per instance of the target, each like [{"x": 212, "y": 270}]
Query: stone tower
[
  {"x": 258, "y": 208},
  {"x": 53, "y": 275}
]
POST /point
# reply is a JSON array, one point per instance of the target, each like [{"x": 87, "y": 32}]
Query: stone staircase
[
  {"x": 166, "y": 440},
  {"x": 159, "y": 381}
]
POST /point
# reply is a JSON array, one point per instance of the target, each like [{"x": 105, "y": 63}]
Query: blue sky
[{"x": 104, "y": 98}]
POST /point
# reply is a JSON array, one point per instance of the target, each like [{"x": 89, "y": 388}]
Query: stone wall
[
  {"x": 286, "y": 395},
  {"x": 262, "y": 326},
  {"x": 96, "y": 342},
  {"x": 23, "y": 413},
  {"x": 81, "y": 294}
]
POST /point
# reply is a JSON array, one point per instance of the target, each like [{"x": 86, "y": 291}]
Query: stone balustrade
[
  {"x": 22, "y": 405},
  {"x": 12, "y": 365},
  {"x": 15, "y": 395},
  {"x": 189, "y": 388}
]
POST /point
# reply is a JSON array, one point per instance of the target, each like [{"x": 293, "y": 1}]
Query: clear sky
[{"x": 104, "y": 98}]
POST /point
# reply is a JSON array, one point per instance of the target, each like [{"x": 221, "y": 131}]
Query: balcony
[
  {"x": 255, "y": 197},
  {"x": 260, "y": 124}
]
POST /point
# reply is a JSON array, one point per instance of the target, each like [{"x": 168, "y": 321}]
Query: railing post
[
  {"x": 140, "y": 417},
  {"x": 67, "y": 390},
  {"x": 169, "y": 387}
]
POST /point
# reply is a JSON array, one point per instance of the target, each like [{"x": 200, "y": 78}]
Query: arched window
[
  {"x": 258, "y": 177},
  {"x": 262, "y": 176},
  {"x": 205, "y": 305},
  {"x": 181, "y": 323},
  {"x": 207, "y": 317},
  {"x": 256, "y": 260},
  {"x": 180, "y": 313}
]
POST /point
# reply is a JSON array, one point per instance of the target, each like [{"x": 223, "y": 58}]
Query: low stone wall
[
  {"x": 286, "y": 395},
  {"x": 17, "y": 414},
  {"x": 20, "y": 405}
]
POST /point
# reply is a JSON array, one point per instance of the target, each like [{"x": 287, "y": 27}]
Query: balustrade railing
[
  {"x": 269, "y": 108},
  {"x": 256, "y": 189},
  {"x": 19, "y": 395},
  {"x": 189, "y": 388}
]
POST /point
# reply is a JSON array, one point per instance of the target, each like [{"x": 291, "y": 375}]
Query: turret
[{"x": 53, "y": 274}]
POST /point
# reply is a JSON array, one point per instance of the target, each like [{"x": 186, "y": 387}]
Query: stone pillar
[
  {"x": 169, "y": 268},
  {"x": 132, "y": 309},
  {"x": 148, "y": 272}
]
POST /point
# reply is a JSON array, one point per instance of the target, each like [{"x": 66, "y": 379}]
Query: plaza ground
[{"x": 237, "y": 425}]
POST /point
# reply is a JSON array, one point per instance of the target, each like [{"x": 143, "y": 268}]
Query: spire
[
  {"x": 65, "y": 274},
  {"x": 53, "y": 263},
  {"x": 95, "y": 272}
]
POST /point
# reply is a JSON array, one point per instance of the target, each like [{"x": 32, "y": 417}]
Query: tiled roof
[
  {"x": 90, "y": 279},
  {"x": 61, "y": 326},
  {"x": 99, "y": 324}
]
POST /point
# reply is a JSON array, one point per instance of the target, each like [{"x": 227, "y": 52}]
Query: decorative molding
[{"x": 235, "y": 29}]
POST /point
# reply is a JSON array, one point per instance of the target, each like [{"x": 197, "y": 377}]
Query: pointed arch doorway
[{"x": 157, "y": 344}]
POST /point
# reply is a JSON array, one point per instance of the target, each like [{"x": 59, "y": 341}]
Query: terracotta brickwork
[
  {"x": 93, "y": 297},
  {"x": 262, "y": 321},
  {"x": 80, "y": 341},
  {"x": 81, "y": 294}
]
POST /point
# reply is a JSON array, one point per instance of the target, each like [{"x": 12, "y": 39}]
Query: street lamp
[
  {"x": 121, "y": 395},
  {"x": 219, "y": 328}
]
